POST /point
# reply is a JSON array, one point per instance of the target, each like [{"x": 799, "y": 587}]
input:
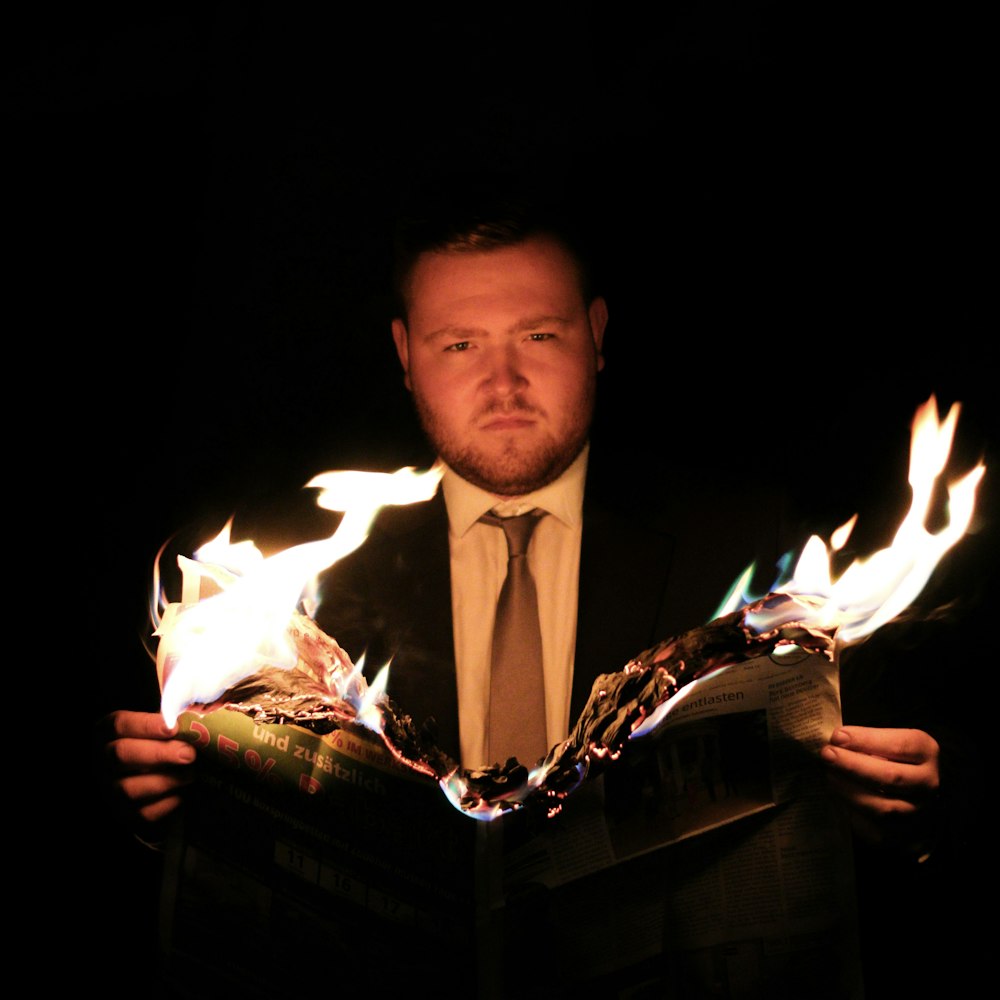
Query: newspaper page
[
  {"x": 296, "y": 848},
  {"x": 706, "y": 861},
  {"x": 710, "y": 861}
]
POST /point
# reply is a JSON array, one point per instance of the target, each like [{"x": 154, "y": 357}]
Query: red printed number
[
  {"x": 202, "y": 736},
  {"x": 229, "y": 751}
]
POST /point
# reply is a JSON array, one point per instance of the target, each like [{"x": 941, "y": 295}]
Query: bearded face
[{"x": 501, "y": 353}]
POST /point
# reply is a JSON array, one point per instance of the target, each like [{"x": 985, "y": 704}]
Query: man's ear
[
  {"x": 598, "y": 313},
  {"x": 400, "y": 336}
]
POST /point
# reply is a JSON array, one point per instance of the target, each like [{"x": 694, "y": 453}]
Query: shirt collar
[{"x": 563, "y": 498}]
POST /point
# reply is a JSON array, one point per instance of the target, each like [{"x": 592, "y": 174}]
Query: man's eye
[
  {"x": 540, "y": 336},
  {"x": 462, "y": 345}
]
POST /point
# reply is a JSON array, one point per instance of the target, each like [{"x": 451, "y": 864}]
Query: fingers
[
  {"x": 152, "y": 812},
  {"x": 886, "y": 763},
  {"x": 887, "y": 819},
  {"x": 889, "y": 779},
  {"x": 146, "y": 765},
  {"x": 912, "y": 746},
  {"x": 142, "y": 741},
  {"x": 140, "y": 725},
  {"x": 874, "y": 801},
  {"x": 152, "y": 796},
  {"x": 140, "y": 755},
  {"x": 141, "y": 787}
]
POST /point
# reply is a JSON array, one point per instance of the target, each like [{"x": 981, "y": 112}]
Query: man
[
  {"x": 501, "y": 351},
  {"x": 500, "y": 338},
  {"x": 500, "y": 341}
]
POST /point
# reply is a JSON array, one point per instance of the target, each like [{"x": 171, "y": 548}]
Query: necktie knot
[{"x": 517, "y": 530}]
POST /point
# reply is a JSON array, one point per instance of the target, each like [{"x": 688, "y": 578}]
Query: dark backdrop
[{"x": 791, "y": 200}]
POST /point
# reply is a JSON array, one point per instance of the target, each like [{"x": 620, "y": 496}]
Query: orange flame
[
  {"x": 213, "y": 643},
  {"x": 873, "y": 591}
]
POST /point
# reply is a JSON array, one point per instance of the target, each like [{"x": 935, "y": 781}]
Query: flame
[
  {"x": 873, "y": 591},
  {"x": 840, "y": 536},
  {"x": 215, "y": 642},
  {"x": 368, "y": 710}
]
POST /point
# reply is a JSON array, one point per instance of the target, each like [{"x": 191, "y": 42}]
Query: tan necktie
[{"x": 517, "y": 682}]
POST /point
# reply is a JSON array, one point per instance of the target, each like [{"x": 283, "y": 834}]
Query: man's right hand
[{"x": 146, "y": 766}]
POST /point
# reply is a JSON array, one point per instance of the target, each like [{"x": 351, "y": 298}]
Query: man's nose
[{"x": 506, "y": 371}]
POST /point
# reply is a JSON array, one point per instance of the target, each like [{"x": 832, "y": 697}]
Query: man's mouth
[
  {"x": 509, "y": 415},
  {"x": 507, "y": 423}
]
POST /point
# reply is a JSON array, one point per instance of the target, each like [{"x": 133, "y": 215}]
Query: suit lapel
[
  {"x": 417, "y": 587},
  {"x": 623, "y": 576}
]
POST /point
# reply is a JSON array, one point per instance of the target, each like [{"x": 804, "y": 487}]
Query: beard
[{"x": 509, "y": 464}]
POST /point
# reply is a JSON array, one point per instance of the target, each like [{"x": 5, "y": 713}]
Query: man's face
[{"x": 501, "y": 354}]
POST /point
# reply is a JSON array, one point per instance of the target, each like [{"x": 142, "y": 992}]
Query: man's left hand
[{"x": 889, "y": 779}]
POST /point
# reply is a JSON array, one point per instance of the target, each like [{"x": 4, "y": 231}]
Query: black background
[
  {"x": 792, "y": 201},
  {"x": 792, "y": 206}
]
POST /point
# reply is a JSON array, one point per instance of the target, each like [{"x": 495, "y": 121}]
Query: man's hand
[
  {"x": 144, "y": 764},
  {"x": 889, "y": 779}
]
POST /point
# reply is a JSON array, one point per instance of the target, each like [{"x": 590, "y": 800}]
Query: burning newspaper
[
  {"x": 324, "y": 692},
  {"x": 247, "y": 649}
]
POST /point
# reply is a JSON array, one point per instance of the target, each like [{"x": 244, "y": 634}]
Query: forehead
[{"x": 536, "y": 274}]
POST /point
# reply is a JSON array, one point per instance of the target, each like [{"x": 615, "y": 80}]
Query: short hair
[{"x": 462, "y": 216}]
